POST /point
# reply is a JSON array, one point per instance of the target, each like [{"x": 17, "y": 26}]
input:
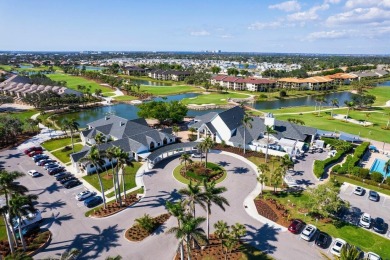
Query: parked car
[
  {"x": 365, "y": 220},
  {"x": 337, "y": 246},
  {"x": 60, "y": 174},
  {"x": 40, "y": 157},
  {"x": 33, "y": 173},
  {"x": 49, "y": 165},
  {"x": 72, "y": 183},
  {"x": 52, "y": 171},
  {"x": 296, "y": 226},
  {"x": 69, "y": 178},
  {"x": 373, "y": 195},
  {"x": 44, "y": 161},
  {"x": 61, "y": 177},
  {"x": 33, "y": 153},
  {"x": 358, "y": 191},
  {"x": 373, "y": 256},
  {"x": 29, "y": 230},
  {"x": 198, "y": 155},
  {"x": 322, "y": 240},
  {"x": 308, "y": 232},
  {"x": 34, "y": 148},
  {"x": 379, "y": 225},
  {"x": 93, "y": 201},
  {"x": 84, "y": 195}
]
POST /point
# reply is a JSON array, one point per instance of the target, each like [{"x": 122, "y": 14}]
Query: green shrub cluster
[
  {"x": 337, "y": 144},
  {"x": 349, "y": 166},
  {"x": 319, "y": 166}
]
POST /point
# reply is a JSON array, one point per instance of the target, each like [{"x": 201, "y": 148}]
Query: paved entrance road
[{"x": 99, "y": 238}]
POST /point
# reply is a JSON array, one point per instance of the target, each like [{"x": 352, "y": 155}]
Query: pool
[{"x": 378, "y": 166}]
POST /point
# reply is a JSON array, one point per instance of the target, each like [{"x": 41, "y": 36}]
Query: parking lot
[{"x": 361, "y": 204}]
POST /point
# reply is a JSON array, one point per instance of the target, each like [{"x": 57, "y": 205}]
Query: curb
[{"x": 42, "y": 246}]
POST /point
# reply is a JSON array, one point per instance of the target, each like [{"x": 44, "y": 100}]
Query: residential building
[
  {"x": 135, "y": 71},
  {"x": 237, "y": 83},
  {"x": 175, "y": 75},
  {"x": 342, "y": 78}
]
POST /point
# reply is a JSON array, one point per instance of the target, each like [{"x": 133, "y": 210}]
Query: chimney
[
  {"x": 269, "y": 120},
  {"x": 106, "y": 117},
  {"x": 121, "y": 123}
]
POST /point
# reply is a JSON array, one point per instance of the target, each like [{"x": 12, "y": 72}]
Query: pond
[
  {"x": 26, "y": 66},
  {"x": 149, "y": 83},
  {"x": 302, "y": 101},
  {"x": 384, "y": 84},
  {"x": 90, "y": 68}
]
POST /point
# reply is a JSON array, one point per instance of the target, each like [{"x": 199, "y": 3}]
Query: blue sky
[{"x": 316, "y": 26}]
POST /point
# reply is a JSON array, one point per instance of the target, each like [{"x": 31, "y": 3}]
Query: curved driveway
[{"x": 99, "y": 238}]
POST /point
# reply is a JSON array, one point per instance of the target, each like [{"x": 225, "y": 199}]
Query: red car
[
  {"x": 34, "y": 148},
  {"x": 296, "y": 226},
  {"x": 31, "y": 154}
]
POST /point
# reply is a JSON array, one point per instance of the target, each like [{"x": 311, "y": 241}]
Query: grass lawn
[
  {"x": 124, "y": 98},
  {"x": 382, "y": 95},
  {"x": 180, "y": 178},
  {"x": 3, "y": 231},
  {"x": 213, "y": 98},
  {"x": 365, "y": 240},
  {"x": 168, "y": 90},
  {"x": 54, "y": 144},
  {"x": 64, "y": 157},
  {"x": 107, "y": 178},
  {"x": 342, "y": 179},
  {"x": 252, "y": 253},
  {"x": 108, "y": 94},
  {"x": 73, "y": 81},
  {"x": 24, "y": 115},
  {"x": 6, "y": 67},
  {"x": 272, "y": 163},
  {"x": 289, "y": 110},
  {"x": 151, "y": 79},
  {"x": 375, "y": 132}
]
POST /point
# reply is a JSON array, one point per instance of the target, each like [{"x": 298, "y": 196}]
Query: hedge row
[
  {"x": 352, "y": 160},
  {"x": 371, "y": 182},
  {"x": 319, "y": 166}
]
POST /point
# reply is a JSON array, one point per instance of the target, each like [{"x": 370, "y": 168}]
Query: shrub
[
  {"x": 146, "y": 222},
  {"x": 282, "y": 93},
  {"x": 336, "y": 168},
  {"x": 66, "y": 149},
  {"x": 319, "y": 166},
  {"x": 388, "y": 180},
  {"x": 364, "y": 173},
  {"x": 342, "y": 170},
  {"x": 263, "y": 96},
  {"x": 376, "y": 176}
]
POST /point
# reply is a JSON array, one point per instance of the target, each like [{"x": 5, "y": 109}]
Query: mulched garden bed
[
  {"x": 273, "y": 210},
  {"x": 199, "y": 169},
  {"x": 136, "y": 233},
  {"x": 33, "y": 242},
  {"x": 115, "y": 207}
]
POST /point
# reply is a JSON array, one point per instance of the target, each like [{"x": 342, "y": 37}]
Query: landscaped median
[
  {"x": 196, "y": 172},
  {"x": 145, "y": 226}
]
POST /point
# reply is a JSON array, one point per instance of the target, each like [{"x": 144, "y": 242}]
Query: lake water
[
  {"x": 28, "y": 66},
  {"x": 90, "y": 68},
  {"x": 149, "y": 83},
  {"x": 384, "y": 84},
  {"x": 302, "y": 101}
]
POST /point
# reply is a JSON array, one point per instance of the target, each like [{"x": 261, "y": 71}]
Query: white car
[
  {"x": 365, "y": 220},
  {"x": 332, "y": 153},
  {"x": 337, "y": 246},
  {"x": 358, "y": 191},
  {"x": 33, "y": 173},
  {"x": 308, "y": 232},
  {"x": 373, "y": 256},
  {"x": 84, "y": 194},
  {"x": 198, "y": 155}
]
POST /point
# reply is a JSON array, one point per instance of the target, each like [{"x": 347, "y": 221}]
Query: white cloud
[
  {"x": 359, "y": 16},
  {"x": 310, "y": 14},
  {"x": 332, "y": 1},
  {"x": 266, "y": 25},
  {"x": 288, "y": 6},
  {"x": 226, "y": 36},
  {"x": 327, "y": 35},
  {"x": 200, "y": 33}
]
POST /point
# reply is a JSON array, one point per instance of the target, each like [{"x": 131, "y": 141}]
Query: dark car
[
  {"x": 51, "y": 165},
  {"x": 72, "y": 183},
  {"x": 93, "y": 201},
  {"x": 55, "y": 170},
  {"x": 65, "y": 180},
  {"x": 63, "y": 176},
  {"x": 322, "y": 240},
  {"x": 40, "y": 157},
  {"x": 296, "y": 226},
  {"x": 34, "y": 148},
  {"x": 29, "y": 230},
  {"x": 43, "y": 162},
  {"x": 33, "y": 153},
  {"x": 379, "y": 225},
  {"x": 373, "y": 195}
]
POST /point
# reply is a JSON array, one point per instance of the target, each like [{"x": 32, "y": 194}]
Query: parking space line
[
  {"x": 80, "y": 204},
  {"x": 73, "y": 189}
]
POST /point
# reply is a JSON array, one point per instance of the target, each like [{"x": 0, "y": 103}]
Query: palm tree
[
  {"x": 320, "y": 100},
  {"x": 386, "y": 169},
  {"x": 262, "y": 179},
  {"x": 207, "y": 144},
  {"x": 246, "y": 121},
  {"x": 122, "y": 160},
  {"x": 95, "y": 157},
  {"x": 269, "y": 130},
  {"x": 349, "y": 104},
  {"x": 277, "y": 177},
  {"x": 286, "y": 162},
  {"x": 4, "y": 211},
  {"x": 221, "y": 230},
  {"x": 201, "y": 149},
  {"x": 70, "y": 254},
  {"x": 175, "y": 129},
  {"x": 99, "y": 138},
  {"x": 146, "y": 222},
  {"x": 185, "y": 157},
  {"x": 349, "y": 252},
  {"x": 72, "y": 126},
  {"x": 18, "y": 256},
  {"x": 335, "y": 103},
  {"x": 189, "y": 230},
  {"x": 212, "y": 195},
  {"x": 194, "y": 195},
  {"x": 20, "y": 206},
  {"x": 177, "y": 210},
  {"x": 366, "y": 118},
  {"x": 118, "y": 257},
  {"x": 110, "y": 155}
]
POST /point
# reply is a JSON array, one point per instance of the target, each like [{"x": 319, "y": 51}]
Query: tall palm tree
[
  {"x": 212, "y": 195},
  {"x": 20, "y": 206},
  {"x": 262, "y": 179},
  {"x": 246, "y": 121},
  {"x": 335, "y": 103},
  {"x": 349, "y": 252},
  {"x": 95, "y": 157},
  {"x": 110, "y": 155},
  {"x": 277, "y": 177},
  {"x": 201, "y": 149},
  {"x": 349, "y": 104},
  {"x": 177, "y": 209},
  {"x": 185, "y": 157},
  {"x": 194, "y": 195},
  {"x": 72, "y": 126},
  {"x": 207, "y": 144},
  {"x": 320, "y": 100},
  {"x": 99, "y": 138},
  {"x": 189, "y": 230},
  {"x": 175, "y": 129},
  {"x": 386, "y": 169},
  {"x": 269, "y": 130},
  {"x": 122, "y": 160},
  {"x": 3, "y": 212},
  {"x": 221, "y": 230}
]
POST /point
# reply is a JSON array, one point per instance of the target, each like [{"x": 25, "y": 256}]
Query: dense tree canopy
[{"x": 165, "y": 112}]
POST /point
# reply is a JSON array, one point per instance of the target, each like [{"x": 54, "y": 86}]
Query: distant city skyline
[{"x": 293, "y": 26}]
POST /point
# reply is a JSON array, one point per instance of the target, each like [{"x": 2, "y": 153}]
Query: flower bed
[
  {"x": 33, "y": 243},
  {"x": 239, "y": 151},
  {"x": 115, "y": 207},
  {"x": 197, "y": 172},
  {"x": 273, "y": 210},
  {"x": 137, "y": 233}
]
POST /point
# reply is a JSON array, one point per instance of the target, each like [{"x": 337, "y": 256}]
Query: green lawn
[
  {"x": 74, "y": 81},
  {"x": 342, "y": 179},
  {"x": 54, "y": 144},
  {"x": 129, "y": 178},
  {"x": 24, "y": 115},
  {"x": 107, "y": 178},
  {"x": 365, "y": 240},
  {"x": 272, "y": 163},
  {"x": 168, "y": 90},
  {"x": 180, "y": 178},
  {"x": 6, "y": 67},
  {"x": 108, "y": 94},
  {"x": 64, "y": 157},
  {"x": 124, "y": 98},
  {"x": 375, "y": 132},
  {"x": 382, "y": 95},
  {"x": 3, "y": 231},
  {"x": 213, "y": 98}
]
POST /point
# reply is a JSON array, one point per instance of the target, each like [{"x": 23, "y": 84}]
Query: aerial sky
[{"x": 293, "y": 26}]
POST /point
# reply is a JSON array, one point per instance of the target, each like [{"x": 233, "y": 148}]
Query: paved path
[{"x": 99, "y": 238}]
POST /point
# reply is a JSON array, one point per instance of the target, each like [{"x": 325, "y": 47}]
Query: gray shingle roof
[
  {"x": 232, "y": 117},
  {"x": 170, "y": 147}
]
